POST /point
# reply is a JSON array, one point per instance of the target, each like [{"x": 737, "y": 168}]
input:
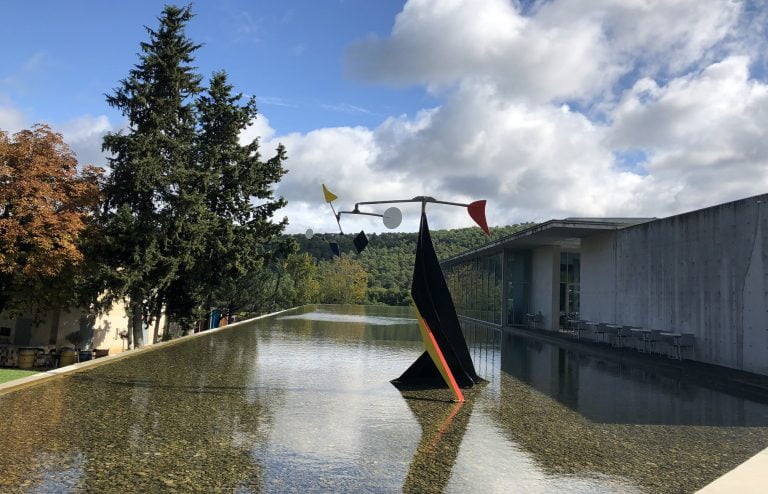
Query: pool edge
[
  {"x": 747, "y": 478},
  {"x": 44, "y": 376}
]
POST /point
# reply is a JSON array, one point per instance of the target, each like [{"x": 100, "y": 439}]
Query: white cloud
[
  {"x": 84, "y": 135},
  {"x": 566, "y": 50},
  {"x": 11, "y": 119},
  {"x": 259, "y": 129},
  {"x": 705, "y": 133},
  {"x": 529, "y": 162},
  {"x": 668, "y": 80}
]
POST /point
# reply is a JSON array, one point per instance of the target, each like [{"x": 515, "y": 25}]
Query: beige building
[{"x": 53, "y": 327}]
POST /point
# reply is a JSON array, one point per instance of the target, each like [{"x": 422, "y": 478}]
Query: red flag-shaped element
[{"x": 476, "y": 211}]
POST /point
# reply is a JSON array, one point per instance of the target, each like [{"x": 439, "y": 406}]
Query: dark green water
[{"x": 302, "y": 403}]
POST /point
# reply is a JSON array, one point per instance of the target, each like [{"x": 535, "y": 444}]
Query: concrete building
[{"x": 704, "y": 273}]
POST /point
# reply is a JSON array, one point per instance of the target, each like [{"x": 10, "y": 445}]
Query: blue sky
[
  {"x": 289, "y": 54},
  {"x": 546, "y": 108}
]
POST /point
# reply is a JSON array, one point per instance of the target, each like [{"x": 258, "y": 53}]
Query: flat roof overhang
[{"x": 566, "y": 234}]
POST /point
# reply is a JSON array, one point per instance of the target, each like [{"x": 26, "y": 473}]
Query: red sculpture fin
[{"x": 476, "y": 211}]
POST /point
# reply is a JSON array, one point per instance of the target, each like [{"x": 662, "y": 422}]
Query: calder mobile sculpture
[{"x": 446, "y": 360}]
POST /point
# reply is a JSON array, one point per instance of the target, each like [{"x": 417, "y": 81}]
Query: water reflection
[
  {"x": 163, "y": 420},
  {"x": 305, "y": 405},
  {"x": 614, "y": 392},
  {"x": 443, "y": 426}
]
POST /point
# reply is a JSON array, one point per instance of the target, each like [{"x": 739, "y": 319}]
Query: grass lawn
[{"x": 11, "y": 374}]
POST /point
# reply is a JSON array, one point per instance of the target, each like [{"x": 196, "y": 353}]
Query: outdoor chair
[
  {"x": 623, "y": 333},
  {"x": 49, "y": 357},
  {"x": 667, "y": 340},
  {"x": 581, "y": 326},
  {"x": 686, "y": 340},
  {"x": 600, "y": 331},
  {"x": 9, "y": 356},
  {"x": 653, "y": 339}
]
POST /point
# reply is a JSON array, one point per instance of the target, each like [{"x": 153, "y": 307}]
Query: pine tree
[
  {"x": 237, "y": 189},
  {"x": 151, "y": 215}
]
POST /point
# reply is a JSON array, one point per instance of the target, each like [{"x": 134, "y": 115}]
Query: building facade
[{"x": 704, "y": 272}]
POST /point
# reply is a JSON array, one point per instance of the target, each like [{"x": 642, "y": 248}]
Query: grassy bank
[{"x": 11, "y": 374}]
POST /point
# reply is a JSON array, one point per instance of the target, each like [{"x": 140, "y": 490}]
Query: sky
[{"x": 546, "y": 109}]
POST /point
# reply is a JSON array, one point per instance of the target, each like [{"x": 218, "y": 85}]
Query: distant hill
[{"x": 389, "y": 257}]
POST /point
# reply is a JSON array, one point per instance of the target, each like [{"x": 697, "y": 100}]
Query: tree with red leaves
[{"x": 45, "y": 205}]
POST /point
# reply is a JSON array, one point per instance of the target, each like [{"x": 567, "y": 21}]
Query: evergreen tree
[
  {"x": 237, "y": 189},
  {"x": 151, "y": 215}
]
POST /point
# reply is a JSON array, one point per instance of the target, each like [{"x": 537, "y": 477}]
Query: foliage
[
  {"x": 342, "y": 280},
  {"x": 45, "y": 206},
  {"x": 301, "y": 285},
  {"x": 236, "y": 189},
  {"x": 75, "y": 338},
  {"x": 188, "y": 210},
  {"x": 153, "y": 223}
]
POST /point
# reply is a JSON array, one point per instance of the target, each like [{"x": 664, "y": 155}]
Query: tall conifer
[
  {"x": 151, "y": 215},
  {"x": 237, "y": 189}
]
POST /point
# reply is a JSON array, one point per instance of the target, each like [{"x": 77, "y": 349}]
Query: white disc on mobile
[
  {"x": 392, "y": 218},
  {"x": 309, "y": 233}
]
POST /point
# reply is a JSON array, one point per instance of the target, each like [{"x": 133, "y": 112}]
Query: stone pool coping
[
  {"x": 44, "y": 376},
  {"x": 748, "y": 478}
]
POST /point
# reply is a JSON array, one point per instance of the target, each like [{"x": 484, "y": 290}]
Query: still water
[{"x": 301, "y": 402}]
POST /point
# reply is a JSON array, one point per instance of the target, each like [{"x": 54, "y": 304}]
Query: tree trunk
[
  {"x": 277, "y": 288},
  {"x": 158, "y": 313},
  {"x": 53, "y": 336},
  {"x": 230, "y": 312},
  {"x": 167, "y": 328},
  {"x": 137, "y": 322},
  {"x": 207, "y": 323}
]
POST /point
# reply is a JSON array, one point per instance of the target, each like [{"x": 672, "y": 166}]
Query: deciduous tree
[
  {"x": 45, "y": 204},
  {"x": 342, "y": 281}
]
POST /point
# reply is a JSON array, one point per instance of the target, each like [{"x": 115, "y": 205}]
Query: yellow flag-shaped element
[{"x": 329, "y": 196}]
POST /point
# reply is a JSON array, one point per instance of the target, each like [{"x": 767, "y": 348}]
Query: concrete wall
[
  {"x": 598, "y": 278},
  {"x": 545, "y": 289},
  {"x": 703, "y": 272}
]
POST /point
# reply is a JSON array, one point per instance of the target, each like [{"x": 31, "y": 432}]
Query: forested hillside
[{"x": 389, "y": 257}]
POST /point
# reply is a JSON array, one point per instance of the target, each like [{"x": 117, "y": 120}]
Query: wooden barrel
[
  {"x": 27, "y": 358},
  {"x": 68, "y": 357}
]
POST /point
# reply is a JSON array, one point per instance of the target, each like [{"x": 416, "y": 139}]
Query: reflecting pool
[{"x": 301, "y": 402}]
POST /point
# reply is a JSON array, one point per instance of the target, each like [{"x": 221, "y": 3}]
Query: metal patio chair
[
  {"x": 686, "y": 340},
  {"x": 624, "y": 333},
  {"x": 600, "y": 331}
]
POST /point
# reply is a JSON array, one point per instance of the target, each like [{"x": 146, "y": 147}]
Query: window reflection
[{"x": 476, "y": 288}]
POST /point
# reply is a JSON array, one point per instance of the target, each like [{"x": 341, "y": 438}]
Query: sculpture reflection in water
[
  {"x": 442, "y": 431},
  {"x": 446, "y": 361}
]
